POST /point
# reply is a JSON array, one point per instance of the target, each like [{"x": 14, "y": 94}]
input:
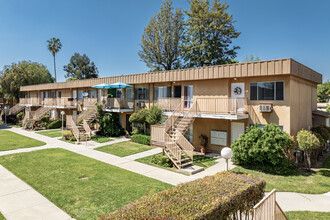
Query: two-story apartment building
[{"x": 217, "y": 101}]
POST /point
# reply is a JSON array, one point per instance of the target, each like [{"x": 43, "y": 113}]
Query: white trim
[{"x": 214, "y": 116}]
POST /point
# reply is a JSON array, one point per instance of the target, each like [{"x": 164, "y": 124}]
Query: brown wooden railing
[
  {"x": 57, "y": 102},
  {"x": 168, "y": 104},
  {"x": 29, "y": 101},
  {"x": 268, "y": 208},
  {"x": 15, "y": 109},
  {"x": 157, "y": 134},
  {"x": 92, "y": 108},
  {"x": 120, "y": 103},
  {"x": 185, "y": 145},
  {"x": 74, "y": 128},
  {"x": 89, "y": 102},
  {"x": 87, "y": 128}
]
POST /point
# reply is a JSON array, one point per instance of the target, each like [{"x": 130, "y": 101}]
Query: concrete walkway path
[
  {"x": 20, "y": 201},
  {"x": 288, "y": 201}
]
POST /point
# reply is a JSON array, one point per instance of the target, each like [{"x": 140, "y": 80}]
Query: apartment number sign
[{"x": 219, "y": 138}]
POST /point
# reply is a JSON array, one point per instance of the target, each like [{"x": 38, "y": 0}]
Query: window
[
  {"x": 162, "y": 92},
  {"x": 263, "y": 91},
  {"x": 37, "y": 95},
  {"x": 80, "y": 94},
  {"x": 52, "y": 95},
  {"x": 119, "y": 93},
  {"x": 27, "y": 95},
  {"x": 46, "y": 95},
  {"x": 177, "y": 91},
  {"x": 92, "y": 94},
  {"x": 142, "y": 93},
  {"x": 129, "y": 93},
  {"x": 59, "y": 94}
]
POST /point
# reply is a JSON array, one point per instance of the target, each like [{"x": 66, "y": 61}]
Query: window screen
[
  {"x": 162, "y": 92},
  {"x": 142, "y": 93},
  {"x": 263, "y": 91}
]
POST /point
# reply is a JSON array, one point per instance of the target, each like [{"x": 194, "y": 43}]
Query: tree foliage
[
  {"x": 146, "y": 117},
  {"x": 54, "y": 46},
  {"x": 161, "y": 39},
  {"x": 307, "y": 141},
  {"x": 251, "y": 58},
  {"x": 323, "y": 92},
  {"x": 109, "y": 125},
  {"x": 264, "y": 149},
  {"x": 80, "y": 67},
  {"x": 24, "y": 73},
  {"x": 210, "y": 31}
]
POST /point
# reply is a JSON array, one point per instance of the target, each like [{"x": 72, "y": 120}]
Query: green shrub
[
  {"x": 222, "y": 196},
  {"x": 162, "y": 160},
  {"x": 69, "y": 136},
  {"x": 109, "y": 125},
  {"x": 56, "y": 124},
  {"x": 322, "y": 131},
  {"x": 141, "y": 139},
  {"x": 155, "y": 115},
  {"x": 20, "y": 116},
  {"x": 264, "y": 149},
  {"x": 307, "y": 142}
]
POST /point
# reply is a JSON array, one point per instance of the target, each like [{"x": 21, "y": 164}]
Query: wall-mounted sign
[{"x": 219, "y": 138}]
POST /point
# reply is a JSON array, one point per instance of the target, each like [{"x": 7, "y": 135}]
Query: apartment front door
[
  {"x": 188, "y": 96},
  {"x": 237, "y": 128}
]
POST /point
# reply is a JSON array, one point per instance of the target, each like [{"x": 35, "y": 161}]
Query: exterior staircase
[
  {"x": 16, "y": 109},
  {"x": 81, "y": 130},
  {"x": 32, "y": 117},
  {"x": 175, "y": 145}
]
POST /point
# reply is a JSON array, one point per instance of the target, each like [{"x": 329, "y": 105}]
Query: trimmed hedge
[
  {"x": 56, "y": 124},
  {"x": 141, "y": 139},
  {"x": 221, "y": 196}
]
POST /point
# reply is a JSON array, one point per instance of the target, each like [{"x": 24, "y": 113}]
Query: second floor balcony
[
  {"x": 226, "y": 108},
  {"x": 120, "y": 104}
]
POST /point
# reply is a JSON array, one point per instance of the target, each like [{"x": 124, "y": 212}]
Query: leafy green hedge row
[
  {"x": 56, "y": 124},
  {"x": 141, "y": 139},
  {"x": 221, "y": 196}
]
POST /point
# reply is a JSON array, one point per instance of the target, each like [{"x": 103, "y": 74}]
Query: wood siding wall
[{"x": 260, "y": 68}]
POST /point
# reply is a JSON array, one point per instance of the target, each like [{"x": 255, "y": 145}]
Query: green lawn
[
  {"x": 11, "y": 141},
  {"x": 101, "y": 139},
  {"x": 83, "y": 187},
  {"x": 315, "y": 183},
  {"x": 199, "y": 160},
  {"x": 124, "y": 148},
  {"x": 54, "y": 133},
  {"x": 305, "y": 215}
]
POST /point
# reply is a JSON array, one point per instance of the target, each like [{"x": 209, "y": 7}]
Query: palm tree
[{"x": 54, "y": 45}]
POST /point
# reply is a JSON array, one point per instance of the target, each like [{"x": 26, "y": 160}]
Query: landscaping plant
[
  {"x": 108, "y": 124},
  {"x": 265, "y": 149},
  {"x": 307, "y": 142},
  {"x": 226, "y": 195},
  {"x": 141, "y": 139}
]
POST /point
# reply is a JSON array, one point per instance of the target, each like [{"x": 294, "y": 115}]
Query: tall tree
[
  {"x": 22, "y": 74},
  {"x": 54, "y": 45},
  {"x": 80, "y": 67},
  {"x": 323, "y": 92},
  {"x": 251, "y": 58},
  {"x": 162, "y": 39},
  {"x": 210, "y": 31}
]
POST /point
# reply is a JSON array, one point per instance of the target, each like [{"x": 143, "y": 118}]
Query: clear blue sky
[{"x": 109, "y": 31}]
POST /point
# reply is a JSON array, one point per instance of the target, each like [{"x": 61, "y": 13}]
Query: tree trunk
[
  {"x": 308, "y": 160},
  {"x": 54, "y": 68}
]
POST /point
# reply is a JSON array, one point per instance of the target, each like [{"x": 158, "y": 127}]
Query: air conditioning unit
[
  {"x": 140, "y": 104},
  {"x": 265, "y": 108}
]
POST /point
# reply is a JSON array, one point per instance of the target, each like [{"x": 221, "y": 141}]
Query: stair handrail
[
  {"x": 41, "y": 112},
  {"x": 15, "y": 109},
  {"x": 172, "y": 118},
  {"x": 74, "y": 128},
  {"x": 190, "y": 113},
  {"x": 173, "y": 147},
  {"x": 185, "y": 145},
  {"x": 87, "y": 128},
  {"x": 90, "y": 108}
]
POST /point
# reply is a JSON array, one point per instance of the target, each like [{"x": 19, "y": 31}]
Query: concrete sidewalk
[
  {"x": 20, "y": 201},
  {"x": 288, "y": 201}
]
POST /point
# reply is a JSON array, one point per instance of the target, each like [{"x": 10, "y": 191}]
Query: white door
[
  {"x": 74, "y": 96},
  {"x": 237, "y": 128},
  {"x": 237, "y": 90}
]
